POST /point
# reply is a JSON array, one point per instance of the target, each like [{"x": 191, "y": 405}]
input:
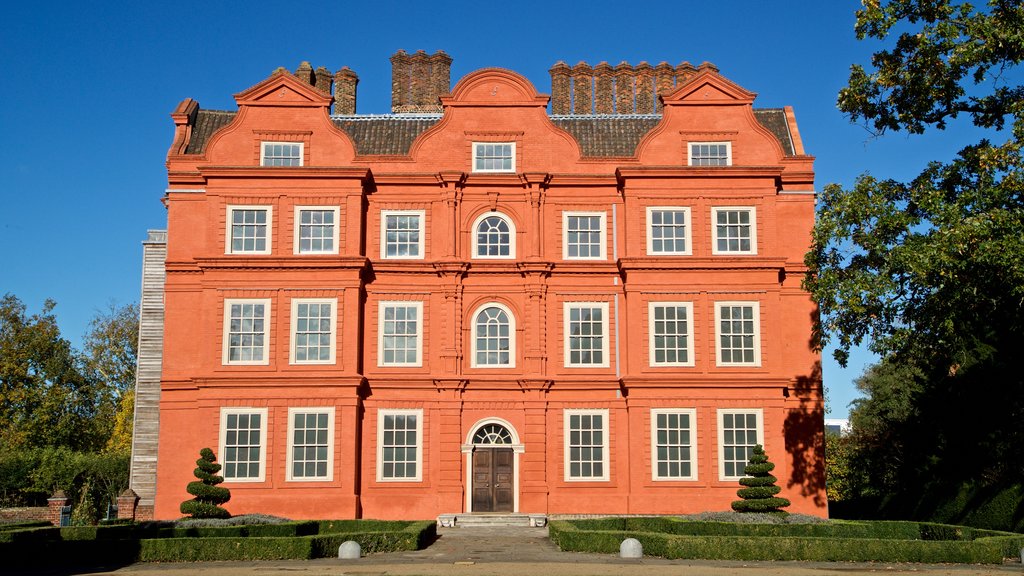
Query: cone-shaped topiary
[
  {"x": 208, "y": 496},
  {"x": 760, "y": 491}
]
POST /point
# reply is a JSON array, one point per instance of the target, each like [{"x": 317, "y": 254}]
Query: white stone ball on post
[
  {"x": 349, "y": 550},
  {"x": 631, "y": 548}
]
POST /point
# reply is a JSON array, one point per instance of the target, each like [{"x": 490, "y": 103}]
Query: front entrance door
[{"x": 493, "y": 480}]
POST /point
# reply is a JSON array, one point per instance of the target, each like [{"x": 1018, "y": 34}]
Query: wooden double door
[{"x": 493, "y": 480}]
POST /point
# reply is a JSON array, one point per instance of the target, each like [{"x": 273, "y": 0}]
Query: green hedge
[
  {"x": 788, "y": 541},
  {"x": 123, "y": 544}
]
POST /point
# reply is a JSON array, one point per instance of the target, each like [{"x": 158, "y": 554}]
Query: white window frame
[
  {"x": 691, "y": 413},
  {"x": 421, "y": 245},
  {"x": 602, "y": 248},
  {"x": 222, "y": 454},
  {"x": 336, "y": 233},
  {"x": 690, "y": 158},
  {"x": 714, "y": 229},
  {"x": 511, "y": 336},
  {"x": 290, "y": 472},
  {"x": 757, "y": 333},
  {"x": 688, "y": 238},
  {"x": 229, "y": 228},
  {"x": 512, "y": 148},
  {"x": 605, "y": 333},
  {"x": 381, "y": 413},
  {"x": 605, "y": 451},
  {"x": 759, "y": 412},
  {"x": 511, "y": 236},
  {"x": 263, "y": 152},
  {"x": 333, "y": 302},
  {"x": 226, "y": 332},
  {"x": 381, "y": 306},
  {"x": 651, "y": 334}
]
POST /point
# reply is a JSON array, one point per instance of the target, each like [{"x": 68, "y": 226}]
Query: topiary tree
[
  {"x": 208, "y": 496},
  {"x": 760, "y": 489}
]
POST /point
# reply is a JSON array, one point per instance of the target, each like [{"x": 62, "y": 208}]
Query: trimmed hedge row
[
  {"x": 790, "y": 542},
  {"x": 125, "y": 544}
]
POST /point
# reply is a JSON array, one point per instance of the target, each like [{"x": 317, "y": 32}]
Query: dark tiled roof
[
  {"x": 607, "y": 136},
  {"x": 598, "y": 136},
  {"x": 392, "y": 136},
  {"x": 207, "y": 122},
  {"x": 774, "y": 119}
]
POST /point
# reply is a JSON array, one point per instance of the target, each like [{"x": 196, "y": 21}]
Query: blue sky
[{"x": 88, "y": 88}]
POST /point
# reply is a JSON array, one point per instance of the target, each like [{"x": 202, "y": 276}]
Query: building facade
[{"x": 477, "y": 304}]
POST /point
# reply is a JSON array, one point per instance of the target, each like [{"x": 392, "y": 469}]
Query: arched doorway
[{"x": 492, "y": 453}]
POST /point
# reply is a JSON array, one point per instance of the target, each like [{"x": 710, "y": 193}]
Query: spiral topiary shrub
[
  {"x": 760, "y": 489},
  {"x": 208, "y": 496}
]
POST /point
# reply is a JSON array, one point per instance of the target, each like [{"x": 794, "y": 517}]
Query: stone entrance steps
[{"x": 469, "y": 520}]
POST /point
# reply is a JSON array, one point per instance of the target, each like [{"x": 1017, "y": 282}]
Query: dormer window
[
  {"x": 494, "y": 157},
  {"x": 281, "y": 154},
  {"x": 710, "y": 154}
]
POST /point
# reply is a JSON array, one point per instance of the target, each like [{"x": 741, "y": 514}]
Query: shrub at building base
[
  {"x": 760, "y": 489},
  {"x": 208, "y": 496}
]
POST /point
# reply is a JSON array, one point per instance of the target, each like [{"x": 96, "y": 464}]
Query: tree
[
  {"x": 45, "y": 398},
  {"x": 758, "y": 494},
  {"x": 208, "y": 496},
  {"x": 931, "y": 272},
  {"x": 111, "y": 348}
]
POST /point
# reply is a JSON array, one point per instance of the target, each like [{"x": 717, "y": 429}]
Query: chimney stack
[
  {"x": 418, "y": 81},
  {"x": 604, "y": 100},
  {"x": 644, "y": 88},
  {"x": 323, "y": 79},
  {"x": 583, "y": 95},
  {"x": 664, "y": 74},
  {"x": 305, "y": 73},
  {"x": 560, "y": 97},
  {"x": 345, "y": 81},
  {"x": 623, "y": 88}
]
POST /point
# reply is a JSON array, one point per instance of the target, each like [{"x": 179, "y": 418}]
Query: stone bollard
[
  {"x": 349, "y": 550},
  {"x": 631, "y": 548}
]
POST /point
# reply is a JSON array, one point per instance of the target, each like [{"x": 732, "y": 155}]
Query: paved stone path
[{"x": 505, "y": 551}]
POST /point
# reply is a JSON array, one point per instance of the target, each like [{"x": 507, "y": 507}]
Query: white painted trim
[
  {"x": 688, "y": 227},
  {"x": 381, "y": 413},
  {"x": 294, "y": 328},
  {"x": 757, "y": 333},
  {"x": 226, "y": 332},
  {"x": 606, "y": 461},
  {"x": 714, "y": 230},
  {"x": 265, "y": 143},
  {"x": 605, "y": 333},
  {"x": 297, "y": 227},
  {"x": 517, "y": 449},
  {"x": 185, "y": 190},
  {"x": 511, "y": 236},
  {"x": 329, "y": 410},
  {"x": 511, "y": 336},
  {"x": 472, "y": 163},
  {"x": 689, "y": 153},
  {"x": 264, "y": 424},
  {"x": 602, "y": 248},
  {"x": 229, "y": 228},
  {"x": 692, "y": 414},
  {"x": 421, "y": 245},
  {"x": 381, "y": 306},
  {"x": 721, "y": 436},
  {"x": 651, "y": 334}
]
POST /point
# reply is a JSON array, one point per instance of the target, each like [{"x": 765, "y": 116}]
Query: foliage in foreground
[
  {"x": 930, "y": 272},
  {"x": 208, "y": 497},
  {"x": 29, "y": 476}
]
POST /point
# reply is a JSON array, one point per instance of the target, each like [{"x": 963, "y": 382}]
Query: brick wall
[{"x": 24, "y": 514}]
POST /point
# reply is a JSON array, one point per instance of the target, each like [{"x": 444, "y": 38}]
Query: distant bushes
[{"x": 29, "y": 476}]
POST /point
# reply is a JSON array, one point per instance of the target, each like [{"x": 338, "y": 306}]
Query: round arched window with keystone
[
  {"x": 492, "y": 435},
  {"x": 494, "y": 236}
]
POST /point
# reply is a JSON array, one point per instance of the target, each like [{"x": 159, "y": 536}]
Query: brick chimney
[
  {"x": 582, "y": 91},
  {"x": 323, "y": 79},
  {"x": 684, "y": 71},
  {"x": 623, "y": 88},
  {"x": 644, "y": 88},
  {"x": 604, "y": 100},
  {"x": 561, "y": 101},
  {"x": 305, "y": 73},
  {"x": 345, "y": 81},
  {"x": 418, "y": 81}
]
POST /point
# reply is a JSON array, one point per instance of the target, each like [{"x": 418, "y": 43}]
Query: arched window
[
  {"x": 494, "y": 236},
  {"x": 492, "y": 434},
  {"x": 493, "y": 337}
]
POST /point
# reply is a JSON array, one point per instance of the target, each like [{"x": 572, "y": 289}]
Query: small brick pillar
[
  {"x": 560, "y": 99},
  {"x": 55, "y": 503},
  {"x": 604, "y": 99},
  {"x": 624, "y": 88},
  {"x": 126, "y": 503}
]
